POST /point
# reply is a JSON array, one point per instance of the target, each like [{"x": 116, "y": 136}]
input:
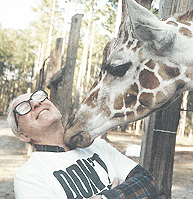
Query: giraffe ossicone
[{"x": 144, "y": 69}]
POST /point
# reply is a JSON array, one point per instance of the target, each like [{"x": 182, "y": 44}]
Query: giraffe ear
[
  {"x": 148, "y": 28},
  {"x": 160, "y": 41}
]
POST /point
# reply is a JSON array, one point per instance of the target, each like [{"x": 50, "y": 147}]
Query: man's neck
[{"x": 53, "y": 138}]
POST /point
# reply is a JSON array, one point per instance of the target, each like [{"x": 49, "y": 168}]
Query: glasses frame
[{"x": 28, "y": 101}]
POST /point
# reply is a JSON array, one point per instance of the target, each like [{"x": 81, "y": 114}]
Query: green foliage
[
  {"x": 41, "y": 25},
  {"x": 16, "y": 64},
  {"x": 113, "y": 3}
]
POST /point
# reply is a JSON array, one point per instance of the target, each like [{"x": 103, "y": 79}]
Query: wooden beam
[{"x": 56, "y": 78}]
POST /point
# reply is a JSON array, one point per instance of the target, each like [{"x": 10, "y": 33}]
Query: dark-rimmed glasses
[{"x": 25, "y": 107}]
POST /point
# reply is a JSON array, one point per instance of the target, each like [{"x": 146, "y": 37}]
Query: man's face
[{"x": 43, "y": 116}]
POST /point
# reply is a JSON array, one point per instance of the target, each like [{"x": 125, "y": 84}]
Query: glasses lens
[
  {"x": 39, "y": 95},
  {"x": 23, "y": 108}
]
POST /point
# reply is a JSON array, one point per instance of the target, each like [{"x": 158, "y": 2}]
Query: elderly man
[{"x": 54, "y": 171}]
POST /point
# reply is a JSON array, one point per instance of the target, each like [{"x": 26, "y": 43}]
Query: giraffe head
[{"x": 144, "y": 69}]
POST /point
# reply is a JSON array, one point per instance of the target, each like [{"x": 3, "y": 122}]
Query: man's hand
[{"x": 115, "y": 183}]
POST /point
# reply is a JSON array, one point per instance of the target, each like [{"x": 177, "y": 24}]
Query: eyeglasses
[{"x": 25, "y": 107}]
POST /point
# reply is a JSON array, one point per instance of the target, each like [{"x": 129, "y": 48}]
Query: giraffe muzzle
[{"x": 80, "y": 140}]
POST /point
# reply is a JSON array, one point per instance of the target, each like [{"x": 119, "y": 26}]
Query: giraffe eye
[{"x": 119, "y": 70}]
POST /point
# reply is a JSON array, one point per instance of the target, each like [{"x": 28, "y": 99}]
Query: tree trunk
[
  {"x": 49, "y": 44},
  {"x": 65, "y": 28},
  {"x": 90, "y": 58},
  {"x": 118, "y": 17},
  {"x": 50, "y": 31},
  {"x": 82, "y": 70}
]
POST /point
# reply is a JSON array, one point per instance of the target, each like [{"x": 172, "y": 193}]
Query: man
[{"x": 54, "y": 171}]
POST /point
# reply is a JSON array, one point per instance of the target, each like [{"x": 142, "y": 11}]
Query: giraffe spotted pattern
[{"x": 144, "y": 69}]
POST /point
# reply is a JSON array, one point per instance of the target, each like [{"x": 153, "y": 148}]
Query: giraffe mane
[{"x": 187, "y": 16}]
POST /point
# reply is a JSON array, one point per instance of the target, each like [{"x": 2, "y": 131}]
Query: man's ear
[{"x": 23, "y": 137}]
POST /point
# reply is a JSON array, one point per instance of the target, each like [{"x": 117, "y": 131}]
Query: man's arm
[{"x": 139, "y": 184}]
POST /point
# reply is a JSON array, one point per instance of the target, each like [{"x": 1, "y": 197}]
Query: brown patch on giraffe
[
  {"x": 186, "y": 32},
  {"x": 120, "y": 33},
  {"x": 160, "y": 97},
  {"x": 189, "y": 72},
  {"x": 150, "y": 64},
  {"x": 142, "y": 58},
  {"x": 167, "y": 72},
  {"x": 126, "y": 36},
  {"x": 106, "y": 51},
  {"x": 119, "y": 115},
  {"x": 139, "y": 44},
  {"x": 172, "y": 23},
  {"x": 148, "y": 79},
  {"x": 130, "y": 115},
  {"x": 106, "y": 111},
  {"x": 146, "y": 99},
  {"x": 94, "y": 85},
  {"x": 118, "y": 103},
  {"x": 129, "y": 44},
  {"x": 90, "y": 101},
  {"x": 141, "y": 110},
  {"x": 121, "y": 49},
  {"x": 103, "y": 106},
  {"x": 130, "y": 100},
  {"x": 130, "y": 95},
  {"x": 180, "y": 84},
  {"x": 186, "y": 23}
]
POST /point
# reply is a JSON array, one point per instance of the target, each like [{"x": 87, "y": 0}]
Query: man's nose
[{"x": 35, "y": 104}]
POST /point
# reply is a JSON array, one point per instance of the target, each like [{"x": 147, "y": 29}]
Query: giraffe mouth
[{"x": 80, "y": 140}]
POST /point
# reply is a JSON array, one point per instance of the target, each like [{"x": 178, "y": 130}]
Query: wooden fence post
[
  {"x": 65, "y": 104},
  {"x": 158, "y": 146}
]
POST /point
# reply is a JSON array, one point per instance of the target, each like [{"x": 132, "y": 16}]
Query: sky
[{"x": 16, "y": 13}]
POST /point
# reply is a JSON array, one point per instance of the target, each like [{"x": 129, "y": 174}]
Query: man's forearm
[{"x": 138, "y": 184}]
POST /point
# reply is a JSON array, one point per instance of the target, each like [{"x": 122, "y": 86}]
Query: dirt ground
[{"x": 13, "y": 154}]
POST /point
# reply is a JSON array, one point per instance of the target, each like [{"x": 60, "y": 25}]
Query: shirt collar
[{"x": 49, "y": 148}]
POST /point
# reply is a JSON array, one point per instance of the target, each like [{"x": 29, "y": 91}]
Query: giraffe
[{"x": 144, "y": 69}]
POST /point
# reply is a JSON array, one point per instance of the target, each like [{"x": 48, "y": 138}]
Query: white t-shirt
[{"x": 80, "y": 173}]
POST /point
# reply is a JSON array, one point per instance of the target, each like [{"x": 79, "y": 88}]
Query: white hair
[{"x": 11, "y": 119}]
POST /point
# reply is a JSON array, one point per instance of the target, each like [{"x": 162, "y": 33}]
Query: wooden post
[
  {"x": 67, "y": 82},
  {"x": 53, "y": 86},
  {"x": 54, "y": 63},
  {"x": 158, "y": 146}
]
